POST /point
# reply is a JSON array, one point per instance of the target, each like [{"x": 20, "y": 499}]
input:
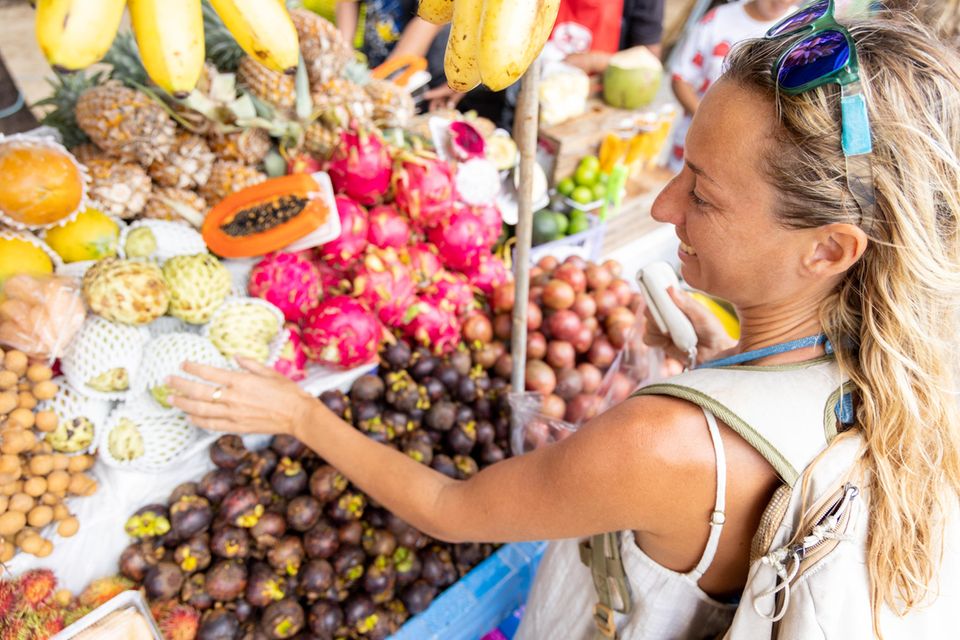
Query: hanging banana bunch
[
  {"x": 491, "y": 41},
  {"x": 264, "y": 30},
  {"x": 170, "y": 38},
  {"x": 73, "y": 34}
]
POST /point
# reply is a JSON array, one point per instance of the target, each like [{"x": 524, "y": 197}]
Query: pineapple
[
  {"x": 125, "y": 123},
  {"x": 324, "y": 50},
  {"x": 249, "y": 146},
  {"x": 188, "y": 164},
  {"x": 120, "y": 189},
  {"x": 171, "y": 203},
  {"x": 393, "y": 107},
  {"x": 274, "y": 88},
  {"x": 87, "y": 152},
  {"x": 321, "y": 139},
  {"x": 67, "y": 88},
  {"x": 343, "y": 102},
  {"x": 228, "y": 177}
]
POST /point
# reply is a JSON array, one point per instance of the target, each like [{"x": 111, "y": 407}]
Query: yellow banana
[
  {"x": 460, "y": 60},
  {"x": 512, "y": 34},
  {"x": 73, "y": 34},
  {"x": 170, "y": 37},
  {"x": 264, "y": 30},
  {"x": 436, "y": 11}
]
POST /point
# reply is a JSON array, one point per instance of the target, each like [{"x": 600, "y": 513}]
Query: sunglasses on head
[{"x": 825, "y": 53}]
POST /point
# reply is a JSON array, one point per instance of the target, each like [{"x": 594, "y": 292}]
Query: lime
[
  {"x": 599, "y": 191},
  {"x": 590, "y": 162},
  {"x": 566, "y": 186},
  {"x": 578, "y": 223},
  {"x": 585, "y": 176},
  {"x": 562, "y": 223},
  {"x": 603, "y": 178},
  {"x": 582, "y": 195},
  {"x": 544, "y": 226}
]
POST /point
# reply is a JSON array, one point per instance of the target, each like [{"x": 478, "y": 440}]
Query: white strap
[{"x": 718, "y": 517}]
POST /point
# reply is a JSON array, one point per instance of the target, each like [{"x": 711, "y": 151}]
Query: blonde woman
[{"x": 834, "y": 232}]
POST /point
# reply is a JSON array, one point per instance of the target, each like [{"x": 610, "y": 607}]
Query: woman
[{"x": 767, "y": 221}]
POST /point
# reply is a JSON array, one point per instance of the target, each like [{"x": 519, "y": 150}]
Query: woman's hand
[
  {"x": 712, "y": 339},
  {"x": 258, "y": 400},
  {"x": 443, "y": 97}
]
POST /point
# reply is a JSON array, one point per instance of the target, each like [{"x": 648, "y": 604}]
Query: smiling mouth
[{"x": 687, "y": 249}]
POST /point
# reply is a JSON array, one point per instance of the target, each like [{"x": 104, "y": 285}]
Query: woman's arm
[
  {"x": 416, "y": 38},
  {"x": 347, "y": 14}
]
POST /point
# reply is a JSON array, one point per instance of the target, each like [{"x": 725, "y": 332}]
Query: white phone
[{"x": 654, "y": 280}]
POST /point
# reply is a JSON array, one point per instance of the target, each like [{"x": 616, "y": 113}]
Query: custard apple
[
  {"x": 244, "y": 330},
  {"x": 110, "y": 381},
  {"x": 71, "y": 436},
  {"x": 161, "y": 240},
  {"x": 126, "y": 291},
  {"x": 198, "y": 286},
  {"x": 125, "y": 441}
]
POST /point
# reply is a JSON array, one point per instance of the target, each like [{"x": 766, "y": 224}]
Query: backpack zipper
[{"x": 833, "y": 518}]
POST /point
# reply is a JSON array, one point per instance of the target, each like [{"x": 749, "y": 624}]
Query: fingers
[
  {"x": 216, "y": 375},
  {"x": 193, "y": 390},
  {"x": 200, "y": 408},
  {"x": 259, "y": 368},
  {"x": 214, "y": 424}
]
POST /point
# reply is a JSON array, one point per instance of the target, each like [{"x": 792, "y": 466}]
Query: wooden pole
[
  {"x": 526, "y": 125},
  {"x": 10, "y": 97}
]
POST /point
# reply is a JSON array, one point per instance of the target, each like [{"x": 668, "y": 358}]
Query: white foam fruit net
[
  {"x": 69, "y": 405},
  {"x": 168, "y": 324},
  {"x": 75, "y": 269},
  {"x": 101, "y": 347},
  {"x": 158, "y": 437},
  {"x": 164, "y": 356},
  {"x": 238, "y": 323},
  {"x": 172, "y": 239}
]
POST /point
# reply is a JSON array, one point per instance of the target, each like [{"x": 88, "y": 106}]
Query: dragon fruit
[
  {"x": 452, "y": 290},
  {"x": 341, "y": 332},
  {"x": 492, "y": 221},
  {"x": 461, "y": 241},
  {"x": 353, "y": 234},
  {"x": 333, "y": 281},
  {"x": 433, "y": 326},
  {"x": 361, "y": 167},
  {"x": 385, "y": 284},
  {"x": 488, "y": 274},
  {"x": 424, "y": 262},
  {"x": 292, "y": 361},
  {"x": 388, "y": 228},
  {"x": 424, "y": 190},
  {"x": 288, "y": 281},
  {"x": 466, "y": 142},
  {"x": 303, "y": 163}
]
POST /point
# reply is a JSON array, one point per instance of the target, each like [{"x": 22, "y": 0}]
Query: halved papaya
[{"x": 265, "y": 217}]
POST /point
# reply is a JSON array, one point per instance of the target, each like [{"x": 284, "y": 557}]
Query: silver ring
[{"x": 217, "y": 394}]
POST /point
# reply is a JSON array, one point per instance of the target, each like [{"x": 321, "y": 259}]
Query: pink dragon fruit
[
  {"x": 492, "y": 221},
  {"x": 461, "y": 241},
  {"x": 432, "y": 326},
  {"x": 361, "y": 167},
  {"x": 293, "y": 361},
  {"x": 452, "y": 290},
  {"x": 353, "y": 235},
  {"x": 341, "y": 332},
  {"x": 333, "y": 281},
  {"x": 388, "y": 228},
  {"x": 424, "y": 263},
  {"x": 466, "y": 142},
  {"x": 424, "y": 190},
  {"x": 288, "y": 281},
  {"x": 303, "y": 163},
  {"x": 488, "y": 274},
  {"x": 385, "y": 284}
]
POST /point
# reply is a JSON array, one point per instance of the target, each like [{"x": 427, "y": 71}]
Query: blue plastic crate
[{"x": 482, "y": 599}]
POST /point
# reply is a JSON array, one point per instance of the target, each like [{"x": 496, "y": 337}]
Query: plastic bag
[{"x": 40, "y": 315}]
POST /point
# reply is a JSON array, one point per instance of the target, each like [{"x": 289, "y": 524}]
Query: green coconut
[{"x": 632, "y": 79}]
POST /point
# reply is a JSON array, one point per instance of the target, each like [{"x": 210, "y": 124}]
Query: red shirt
[{"x": 588, "y": 25}]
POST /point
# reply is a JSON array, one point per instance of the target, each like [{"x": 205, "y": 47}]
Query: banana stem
[{"x": 526, "y": 124}]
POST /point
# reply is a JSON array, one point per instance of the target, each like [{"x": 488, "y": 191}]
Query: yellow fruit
[
  {"x": 18, "y": 255},
  {"x": 93, "y": 235},
  {"x": 42, "y": 183},
  {"x": 729, "y": 321}
]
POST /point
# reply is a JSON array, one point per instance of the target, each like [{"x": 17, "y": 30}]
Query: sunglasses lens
[
  {"x": 800, "y": 19},
  {"x": 813, "y": 58}
]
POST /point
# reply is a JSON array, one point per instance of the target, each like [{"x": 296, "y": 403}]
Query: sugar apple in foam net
[
  {"x": 198, "y": 286},
  {"x": 126, "y": 291}
]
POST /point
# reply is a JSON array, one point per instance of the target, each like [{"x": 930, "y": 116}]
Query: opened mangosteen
[
  {"x": 216, "y": 484},
  {"x": 269, "y": 528},
  {"x": 151, "y": 521},
  {"x": 287, "y": 556},
  {"x": 337, "y": 402},
  {"x": 379, "y": 542},
  {"x": 194, "y": 592},
  {"x": 462, "y": 438},
  {"x": 491, "y": 453},
  {"x": 303, "y": 512},
  {"x": 182, "y": 490},
  {"x": 418, "y": 596},
  {"x": 326, "y": 620},
  {"x": 406, "y": 565},
  {"x": 228, "y": 451},
  {"x": 163, "y": 581},
  {"x": 322, "y": 540},
  {"x": 350, "y": 533},
  {"x": 379, "y": 579},
  {"x": 230, "y": 542},
  {"x": 259, "y": 464},
  {"x": 441, "y": 416},
  {"x": 316, "y": 578},
  {"x": 348, "y": 563},
  {"x": 226, "y": 580},
  {"x": 283, "y": 619},
  {"x": 264, "y": 586},
  {"x": 190, "y": 515},
  {"x": 348, "y": 507},
  {"x": 241, "y": 507},
  {"x": 466, "y": 466},
  {"x": 218, "y": 624},
  {"x": 289, "y": 479},
  {"x": 367, "y": 388},
  {"x": 194, "y": 554},
  {"x": 444, "y": 464},
  {"x": 438, "y": 566}
]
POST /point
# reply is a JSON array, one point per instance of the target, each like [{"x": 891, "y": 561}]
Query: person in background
[
  {"x": 392, "y": 28},
  {"x": 700, "y": 61}
]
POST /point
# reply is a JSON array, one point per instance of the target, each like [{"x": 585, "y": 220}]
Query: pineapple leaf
[
  {"x": 222, "y": 50},
  {"x": 124, "y": 57}
]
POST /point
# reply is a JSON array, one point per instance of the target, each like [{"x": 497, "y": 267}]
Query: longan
[
  {"x": 82, "y": 485},
  {"x": 7, "y": 550},
  {"x": 39, "y": 373},
  {"x": 35, "y": 487},
  {"x": 45, "y": 550},
  {"x": 12, "y": 488},
  {"x": 58, "y": 481},
  {"x": 22, "y": 417},
  {"x": 9, "y": 400},
  {"x": 25, "y": 400},
  {"x": 60, "y": 461},
  {"x": 9, "y": 463},
  {"x": 40, "y": 516},
  {"x": 41, "y": 465},
  {"x": 11, "y": 522},
  {"x": 45, "y": 390},
  {"x": 61, "y": 512},
  {"x": 16, "y": 361},
  {"x": 8, "y": 379},
  {"x": 68, "y": 526},
  {"x": 46, "y": 421},
  {"x": 51, "y": 499},
  {"x": 21, "y": 502},
  {"x": 32, "y": 544},
  {"x": 79, "y": 463},
  {"x": 4, "y": 503}
]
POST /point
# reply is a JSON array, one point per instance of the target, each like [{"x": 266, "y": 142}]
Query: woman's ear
[{"x": 836, "y": 248}]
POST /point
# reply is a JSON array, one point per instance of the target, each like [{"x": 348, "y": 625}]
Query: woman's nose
[{"x": 667, "y": 206}]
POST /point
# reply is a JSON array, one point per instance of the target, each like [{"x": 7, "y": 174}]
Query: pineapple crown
[{"x": 67, "y": 88}]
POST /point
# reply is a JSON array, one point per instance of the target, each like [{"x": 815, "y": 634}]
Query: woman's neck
[{"x": 775, "y": 324}]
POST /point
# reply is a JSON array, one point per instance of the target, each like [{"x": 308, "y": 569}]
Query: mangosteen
[
  {"x": 367, "y": 388},
  {"x": 241, "y": 507},
  {"x": 376, "y": 517},
  {"x": 378, "y": 626},
  {"x": 448, "y": 376},
  {"x": 269, "y": 528},
  {"x": 441, "y": 416},
  {"x": 407, "y": 535},
  {"x": 264, "y": 586},
  {"x": 364, "y": 412},
  {"x": 194, "y": 592},
  {"x": 379, "y": 579},
  {"x": 376, "y": 430},
  {"x": 287, "y": 446},
  {"x": 163, "y": 581},
  {"x": 438, "y": 566},
  {"x": 444, "y": 464},
  {"x": 289, "y": 479},
  {"x": 337, "y": 402},
  {"x": 468, "y": 555},
  {"x": 303, "y": 512},
  {"x": 482, "y": 408},
  {"x": 397, "y": 356},
  {"x": 243, "y": 610},
  {"x": 259, "y": 464},
  {"x": 490, "y": 453},
  {"x": 194, "y": 554},
  {"x": 215, "y": 484},
  {"x": 138, "y": 558},
  {"x": 218, "y": 624},
  {"x": 501, "y": 424},
  {"x": 287, "y": 556},
  {"x": 415, "y": 419},
  {"x": 348, "y": 564},
  {"x": 316, "y": 578},
  {"x": 326, "y": 483},
  {"x": 436, "y": 390},
  {"x": 378, "y": 542},
  {"x": 282, "y": 619},
  {"x": 498, "y": 385},
  {"x": 347, "y": 507},
  {"x": 404, "y": 398},
  {"x": 418, "y": 596},
  {"x": 321, "y": 541},
  {"x": 465, "y": 415},
  {"x": 226, "y": 580},
  {"x": 485, "y": 431},
  {"x": 420, "y": 450},
  {"x": 228, "y": 451},
  {"x": 463, "y": 438},
  {"x": 190, "y": 515},
  {"x": 182, "y": 490},
  {"x": 356, "y": 611},
  {"x": 462, "y": 362},
  {"x": 350, "y": 533},
  {"x": 396, "y": 422},
  {"x": 326, "y": 620},
  {"x": 397, "y": 612},
  {"x": 230, "y": 542},
  {"x": 466, "y": 389},
  {"x": 466, "y": 466},
  {"x": 151, "y": 521},
  {"x": 406, "y": 565}
]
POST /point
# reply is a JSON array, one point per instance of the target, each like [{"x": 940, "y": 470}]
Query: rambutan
[
  {"x": 177, "y": 621},
  {"x": 104, "y": 589},
  {"x": 36, "y": 587}
]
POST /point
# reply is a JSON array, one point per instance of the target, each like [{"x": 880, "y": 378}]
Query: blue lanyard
[{"x": 783, "y": 347}]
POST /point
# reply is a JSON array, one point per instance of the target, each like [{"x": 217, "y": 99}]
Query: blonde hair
[
  {"x": 894, "y": 316},
  {"x": 943, "y": 16}
]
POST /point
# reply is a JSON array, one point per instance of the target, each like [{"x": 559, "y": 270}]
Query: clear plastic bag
[{"x": 40, "y": 315}]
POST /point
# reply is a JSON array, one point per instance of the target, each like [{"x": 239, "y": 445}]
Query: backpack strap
[{"x": 602, "y": 554}]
